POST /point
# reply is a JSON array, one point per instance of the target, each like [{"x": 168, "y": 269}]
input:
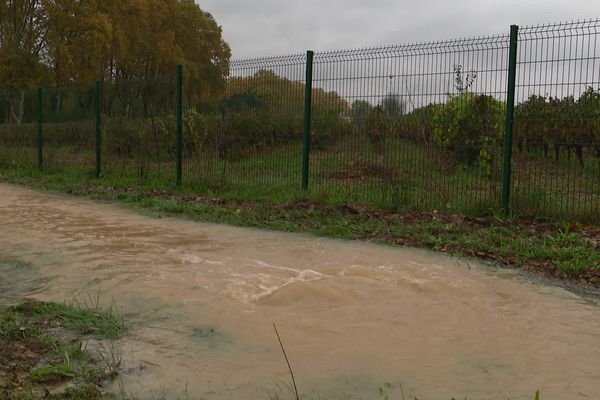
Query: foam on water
[{"x": 201, "y": 300}]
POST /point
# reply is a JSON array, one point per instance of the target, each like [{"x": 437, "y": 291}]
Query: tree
[
  {"x": 81, "y": 41},
  {"x": 394, "y": 105},
  {"x": 205, "y": 53},
  {"x": 378, "y": 127},
  {"x": 280, "y": 95},
  {"x": 359, "y": 113},
  {"x": 589, "y": 115},
  {"x": 532, "y": 119},
  {"x": 22, "y": 33},
  {"x": 471, "y": 126}
]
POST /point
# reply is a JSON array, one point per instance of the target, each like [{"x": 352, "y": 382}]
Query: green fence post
[
  {"x": 98, "y": 128},
  {"x": 179, "y": 112},
  {"x": 510, "y": 113},
  {"x": 307, "y": 119},
  {"x": 40, "y": 133}
]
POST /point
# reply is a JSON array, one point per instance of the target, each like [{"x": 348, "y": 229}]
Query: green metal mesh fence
[
  {"x": 246, "y": 136},
  {"x": 68, "y": 129},
  {"x": 18, "y": 129},
  {"x": 418, "y": 126},
  {"x": 556, "y": 157},
  {"x": 138, "y": 131}
]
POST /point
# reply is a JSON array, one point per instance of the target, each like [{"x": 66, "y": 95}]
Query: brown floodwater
[{"x": 201, "y": 300}]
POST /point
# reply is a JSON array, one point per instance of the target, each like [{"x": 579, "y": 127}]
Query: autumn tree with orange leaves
[{"x": 75, "y": 41}]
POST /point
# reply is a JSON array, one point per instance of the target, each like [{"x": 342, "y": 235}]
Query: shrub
[
  {"x": 245, "y": 133},
  {"x": 359, "y": 114},
  {"x": 378, "y": 126},
  {"x": 560, "y": 123},
  {"x": 18, "y": 135},
  {"x": 143, "y": 139},
  {"x": 79, "y": 135},
  {"x": 394, "y": 106},
  {"x": 471, "y": 127},
  {"x": 589, "y": 117},
  {"x": 531, "y": 126},
  {"x": 327, "y": 127},
  {"x": 418, "y": 126},
  {"x": 200, "y": 130}
]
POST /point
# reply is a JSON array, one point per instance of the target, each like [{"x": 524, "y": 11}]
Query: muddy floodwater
[{"x": 201, "y": 300}]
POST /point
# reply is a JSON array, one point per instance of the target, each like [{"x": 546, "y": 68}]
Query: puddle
[{"x": 202, "y": 299}]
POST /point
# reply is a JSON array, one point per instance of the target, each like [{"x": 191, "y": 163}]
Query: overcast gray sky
[{"x": 273, "y": 27}]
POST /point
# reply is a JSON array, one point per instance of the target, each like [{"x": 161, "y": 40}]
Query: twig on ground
[{"x": 287, "y": 361}]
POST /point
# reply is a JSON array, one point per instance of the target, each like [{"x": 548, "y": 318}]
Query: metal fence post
[
  {"x": 179, "y": 112},
  {"x": 98, "y": 128},
  {"x": 40, "y": 133},
  {"x": 510, "y": 112},
  {"x": 307, "y": 119}
]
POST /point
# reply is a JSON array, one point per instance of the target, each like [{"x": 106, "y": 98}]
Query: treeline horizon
[{"x": 65, "y": 42}]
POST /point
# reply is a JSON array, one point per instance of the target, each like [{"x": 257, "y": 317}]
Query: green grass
[
  {"x": 82, "y": 318},
  {"x": 401, "y": 175},
  {"x": 42, "y": 347}
]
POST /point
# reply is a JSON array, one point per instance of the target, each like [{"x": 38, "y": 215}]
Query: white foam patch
[
  {"x": 267, "y": 265},
  {"x": 192, "y": 258},
  {"x": 303, "y": 276},
  {"x": 253, "y": 287}
]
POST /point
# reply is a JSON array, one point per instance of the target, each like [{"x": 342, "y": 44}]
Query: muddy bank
[{"x": 202, "y": 299}]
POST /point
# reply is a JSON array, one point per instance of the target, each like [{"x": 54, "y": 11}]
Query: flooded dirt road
[{"x": 201, "y": 301}]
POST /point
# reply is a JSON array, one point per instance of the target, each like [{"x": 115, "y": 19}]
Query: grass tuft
[{"x": 42, "y": 354}]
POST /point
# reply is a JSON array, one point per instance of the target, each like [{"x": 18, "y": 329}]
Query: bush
[
  {"x": 18, "y": 135},
  {"x": 531, "y": 122},
  {"x": 200, "y": 130},
  {"x": 359, "y": 114},
  {"x": 143, "y": 139},
  {"x": 588, "y": 107},
  {"x": 418, "y": 126},
  {"x": 327, "y": 127},
  {"x": 244, "y": 133},
  {"x": 471, "y": 127},
  {"x": 379, "y": 126},
  {"x": 77, "y": 135},
  {"x": 566, "y": 123}
]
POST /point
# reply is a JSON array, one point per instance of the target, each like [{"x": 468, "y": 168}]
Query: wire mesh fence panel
[
  {"x": 556, "y": 160},
  {"x": 243, "y": 132},
  {"x": 68, "y": 129},
  {"x": 417, "y": 126},
  {"x": 138, "y": 131},
  {"x": 18, "y": 129}
]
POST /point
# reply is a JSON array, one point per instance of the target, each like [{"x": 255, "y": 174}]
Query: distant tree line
[{"x": 76, "y": 42}]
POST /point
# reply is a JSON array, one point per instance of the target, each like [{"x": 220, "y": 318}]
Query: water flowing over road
[{"x": 201, "y": 300}]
